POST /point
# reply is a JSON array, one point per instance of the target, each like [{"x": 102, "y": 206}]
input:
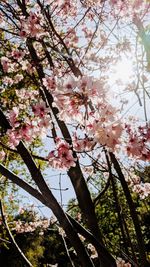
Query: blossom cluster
[
  {"x": 62, "y": 157},
  {"x": 2, "y": 155},
  {"x": 82, "y": 101},
  {"x": 35, "y": 124},
  {"x": 121, "y": 263},
  {"x": 92, "y": 250},
  {"x": 16, "y": 63},
  {"x": 138, "y": 144},
  {"x": 25, "y": 227},
  {"x": 142, "y": 189},
  {"x": 137, "y": 186},
  {"x": 83, "y": 144},
  {"x": 31, "y": 26}
]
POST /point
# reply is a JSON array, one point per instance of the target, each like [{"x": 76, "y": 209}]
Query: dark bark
[
  {"x": 48, "y": 199},
  {"x": 107, "y": 259},
  {"x": 4, "y": 123},
  {"x": 117, "y": 205},
  {"x": 133, "y": 212}
]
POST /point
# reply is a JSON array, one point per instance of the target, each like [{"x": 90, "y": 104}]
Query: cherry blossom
[
  {"x": 142, "y": 189},
  {"x": 56, "y": 59},
  {"x": 81, "y": 145},
  {"x": 92, "y": 250},
  {"x": 7, "y": 81},
  {"x": 138, "y": 145},
  {"x": 18, "y": 78},
  {"x": 121, "y": 263},
  {"x": 26, "y": 65},
  {"x": 13, "y": 115},
  {"x": 39, "y": 109},
  {"x": 5, "y": 63},
  {"x": 14, "y": 138},
  {"x": 137, "y": 186},
  {"x": 31, "y": 26},
  {"x": 24, "y": 227},
  {"x": 2, "y": 155},
  {"x": 109, "y": 135},
  {"x": 62, "y": 157},
  {"x": 33, "y": 125},
  {"x": 17, "y": 54},
  {"x": 49, "y": 83}
]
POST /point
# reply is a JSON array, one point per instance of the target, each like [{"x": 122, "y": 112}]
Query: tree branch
[
  {"x": 20, "y": 252},
  {"x": 132, "y": 210}
]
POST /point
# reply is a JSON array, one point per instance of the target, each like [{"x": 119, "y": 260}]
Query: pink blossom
[
  {"x": 23, "y": 33},
  {"x": 11, "y": 197},
  {"x": 83, "y": 144},
  {"x": 142, "y": 189},
  {"x": 40, "y": 109},
  {"x": 21, "y": 210},
  {"x": 31, "y": 26},
  {"x": 69, "y": 83},
  {"x": 27, "y": 66},
  {"x": 49, "y": 83},
  {"x": 138, "y": 145},
  {"x": 93, "y": 251},
  {"x": 8, "y": 81},
  {"x": 26, "y": 132},
  {"x": 2, "y": 155},
  {"x": 18, "y": 78},
  {"x": 17, "y": 54},
  {"x": 13, "y": 137},
  {"x": 121, "y": 263},
  {"x": 5, "y": 63},
  {"x": 62, "y": 158},
  {"x": 45, "y": 123},
  {"x": 13, "y": 115},
  {"x": 108, "y": 135}
]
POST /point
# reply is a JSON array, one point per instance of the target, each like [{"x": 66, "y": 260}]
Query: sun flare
[{"x": 122, "y": 71}]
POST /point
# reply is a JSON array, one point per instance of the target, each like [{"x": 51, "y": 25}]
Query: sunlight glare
[{"x": 122, "y": 71}]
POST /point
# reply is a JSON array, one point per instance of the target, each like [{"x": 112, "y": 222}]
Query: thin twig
[{"x": 20, "y": 252}]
